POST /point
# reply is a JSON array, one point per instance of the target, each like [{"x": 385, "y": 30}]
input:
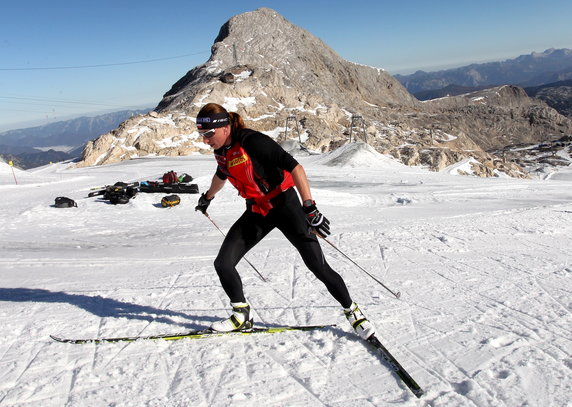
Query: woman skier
[{"x": 265, "y": 175}]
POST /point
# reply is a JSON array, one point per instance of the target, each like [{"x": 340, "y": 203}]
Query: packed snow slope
[{"x": 483, "y": 265}]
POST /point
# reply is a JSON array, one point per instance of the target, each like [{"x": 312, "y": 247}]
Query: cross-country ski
[{"x": 199, "y": 334}]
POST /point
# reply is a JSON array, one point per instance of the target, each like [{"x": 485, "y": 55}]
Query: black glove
[
  {"x": 203, "y": 203},
  {"x": 318, "y": 222}
]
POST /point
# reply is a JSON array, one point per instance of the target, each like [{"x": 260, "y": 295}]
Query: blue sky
[{"x": 398, "y": 36}]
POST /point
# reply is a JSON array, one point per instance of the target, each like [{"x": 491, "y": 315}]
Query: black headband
[{"x": 213, "y": 121}]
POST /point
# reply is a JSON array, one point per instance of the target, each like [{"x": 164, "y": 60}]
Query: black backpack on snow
[
  {"x": 184, "y": 178},
  {"x": 119, "y": 193},
  {"x": 64, "y": 202}
]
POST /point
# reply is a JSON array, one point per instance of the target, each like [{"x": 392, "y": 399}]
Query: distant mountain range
[
  {"x": 546, "y": 76},
  {"x": 321, "y": 80},
  {"x": 537, "y": 68},
  {"x": 63, "y": 140}
]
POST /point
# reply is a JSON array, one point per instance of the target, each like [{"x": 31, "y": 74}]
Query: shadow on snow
[{"x": 100, "y": 306}]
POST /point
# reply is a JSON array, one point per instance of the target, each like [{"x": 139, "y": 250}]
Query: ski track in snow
[{"x": 483, "y": 266}]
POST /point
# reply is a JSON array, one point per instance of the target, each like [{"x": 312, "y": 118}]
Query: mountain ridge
[
  {"x": 270, "y": 71},
  {"x": 73, "y": 132},
  {"x": 536, "y": 68},
  {"x": 63, "y": 139}
]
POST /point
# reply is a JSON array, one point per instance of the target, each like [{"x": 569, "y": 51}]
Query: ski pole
[
  {"x": 245, "y": 259},
  {"x": 396, "y": 294},
  {"x": 11, "y": 164}
]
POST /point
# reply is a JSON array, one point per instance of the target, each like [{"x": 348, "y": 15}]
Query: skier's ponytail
[{"x": 236, "y": 122}]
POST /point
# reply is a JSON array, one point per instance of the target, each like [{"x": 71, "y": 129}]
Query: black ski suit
[{"x": 268, "y": 161}]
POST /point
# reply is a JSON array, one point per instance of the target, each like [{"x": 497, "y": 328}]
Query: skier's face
[{"x": 216, "y": 138}]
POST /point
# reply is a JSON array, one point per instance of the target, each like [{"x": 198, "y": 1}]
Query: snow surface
[{"x": 483, "y": 266}]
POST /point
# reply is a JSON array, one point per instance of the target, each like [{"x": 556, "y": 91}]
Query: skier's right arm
[
  {"x": 206, "y": 197},
  {"x": 216, "y": 185}
]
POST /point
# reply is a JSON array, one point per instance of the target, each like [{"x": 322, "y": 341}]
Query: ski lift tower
[
  {"x": 292, "y": 118},
  {"x": 359, "y": 122}
]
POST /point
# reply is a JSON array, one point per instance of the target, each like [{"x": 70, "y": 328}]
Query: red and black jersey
[{"x": 257, "y": 167}]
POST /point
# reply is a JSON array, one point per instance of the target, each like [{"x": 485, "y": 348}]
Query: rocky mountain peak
[
  {"x": 265, "y": 39},
  {"x": 262, "y": 21},
  {"x": 283, "y": 55},
  {"x": 270, "y": 71}
]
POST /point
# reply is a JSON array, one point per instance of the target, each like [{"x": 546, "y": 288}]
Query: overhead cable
[{"x": 100, "y": 65}]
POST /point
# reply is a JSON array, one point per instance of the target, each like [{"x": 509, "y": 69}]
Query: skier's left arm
[
  {"x": 318, "y": 222},
  {"x": 301, "y": 182}
]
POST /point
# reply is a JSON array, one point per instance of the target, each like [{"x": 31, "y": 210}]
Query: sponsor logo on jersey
[{"x": 237, "y": 161}]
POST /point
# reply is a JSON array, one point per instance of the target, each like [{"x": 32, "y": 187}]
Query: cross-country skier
[{"x": 265, "y": 175}]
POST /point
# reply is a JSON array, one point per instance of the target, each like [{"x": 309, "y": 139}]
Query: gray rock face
[
  {"x": 286, "y": 82},
  {"x": 289, "y": 57},
  {"x": 501, "y": 116},
  {"x": 557, "y": 95}
]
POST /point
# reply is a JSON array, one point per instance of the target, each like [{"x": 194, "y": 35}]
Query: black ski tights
[{"x": 289, "y": 218}]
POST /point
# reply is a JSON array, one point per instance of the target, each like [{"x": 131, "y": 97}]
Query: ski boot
[
  {"x": 240, "y": 319},
  {"x": 359, "y": 322}
]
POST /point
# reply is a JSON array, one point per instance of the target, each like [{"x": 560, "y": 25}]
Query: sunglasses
[{"x": 207, "y": 134}]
